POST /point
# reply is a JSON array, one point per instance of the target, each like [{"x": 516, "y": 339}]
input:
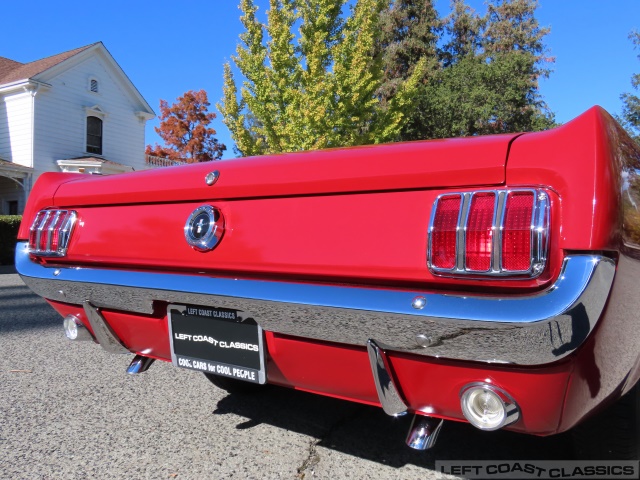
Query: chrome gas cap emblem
[
  {"x": 212, "y": 177},
  {"x": 204, "y": 228}
]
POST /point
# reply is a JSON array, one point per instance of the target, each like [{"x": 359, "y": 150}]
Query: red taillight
[
  {"x": 516, "y": 233},
  {"x": 33, "y": 231},
  {"x": 43, "y": 230},
  {"x": 50, "y": 232},
  {"x": 55, "y": 229},
  {"x": 444, "y": 232},
  {"x": 505, "y": 232},
  {"x": 479, "y": 232}
]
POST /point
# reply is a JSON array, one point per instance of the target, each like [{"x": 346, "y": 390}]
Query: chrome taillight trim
[
  {"x": 461, "y": 221},
  {"x": 64, "y": 228},
  {"x": 540, "y": 233},
  {"x": 540, "y": 224}
]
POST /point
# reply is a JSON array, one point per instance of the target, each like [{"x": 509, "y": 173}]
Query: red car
[{"x": 492, "y": 280}]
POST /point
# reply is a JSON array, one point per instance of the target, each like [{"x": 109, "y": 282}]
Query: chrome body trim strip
[
  {"x": 388, "y": 393},
  {"x": 460, "y": 233},
  {"x": 540, "y": 234},
  {"x": 520, "y": 329},
  {"x": 498, "y": 227}
]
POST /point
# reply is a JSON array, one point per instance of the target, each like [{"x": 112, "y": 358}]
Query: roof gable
[
  {"x": 7, "y": 66},
  {"x": 44, "y": 69},
  {"x": 12, "y": 71}
]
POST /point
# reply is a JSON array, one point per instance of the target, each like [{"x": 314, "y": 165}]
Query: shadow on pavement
[
  {"x": 367, "y": 432},
  {"x": 7, "y": 269},
  {"x": 28, "y": 311}
]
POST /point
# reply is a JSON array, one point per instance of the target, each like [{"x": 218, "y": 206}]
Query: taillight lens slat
[
  {"x": 444, "y": 232},
  {"x": 44, "y": 232},
  {"x": 479, "y": 232},
  {"x": 33, "y": 231},
  {"x": 54, "y": 235},
  {"x": 517, "y": 230}
]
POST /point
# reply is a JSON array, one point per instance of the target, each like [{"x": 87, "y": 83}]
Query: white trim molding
[{"x": 96, "y": 111}]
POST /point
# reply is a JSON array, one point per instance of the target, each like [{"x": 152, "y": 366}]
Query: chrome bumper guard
[{"x": 518, "y": 329}]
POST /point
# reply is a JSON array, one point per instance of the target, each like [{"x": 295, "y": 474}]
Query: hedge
[{"x": 9, "y": 225}]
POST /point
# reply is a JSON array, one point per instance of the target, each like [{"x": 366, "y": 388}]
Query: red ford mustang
[{"x": 492, "y": 280}]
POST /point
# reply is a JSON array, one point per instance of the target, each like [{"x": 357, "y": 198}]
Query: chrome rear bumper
[{"x": 519, "y": 329}]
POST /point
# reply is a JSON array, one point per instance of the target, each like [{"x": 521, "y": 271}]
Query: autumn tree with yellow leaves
[{"x": 310, "y": 79}]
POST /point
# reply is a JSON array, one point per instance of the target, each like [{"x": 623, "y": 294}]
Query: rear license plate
[{"x": 216, "y": 340}]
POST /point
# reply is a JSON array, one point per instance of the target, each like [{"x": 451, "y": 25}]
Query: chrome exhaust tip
[
  {"x": 423, "y": 432},
  {"x": 75, "y": 330},
  {"x": 139, "y": 364}
]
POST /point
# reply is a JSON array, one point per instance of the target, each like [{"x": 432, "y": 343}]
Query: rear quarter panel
[{"x": 593, "y": 166}]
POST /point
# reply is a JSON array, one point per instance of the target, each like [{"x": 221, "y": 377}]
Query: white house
[{"x": 75, "y": 111}]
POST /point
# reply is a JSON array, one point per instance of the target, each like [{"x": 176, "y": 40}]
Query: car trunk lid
[{"x": 446, "y": 163}]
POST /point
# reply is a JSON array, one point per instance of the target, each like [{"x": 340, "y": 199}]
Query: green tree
[
  {"x": 511, "y": 26},
  {"x": 630, "y": 117},
  {"x": 464, "y": 28},
  {"x": 487, "y": 76},
  {"x": 409, "y": 32},
  {"x": 473, "y": 97},
  {"x": 314, "y": 88},
  {"x": 513, "y": 31}
]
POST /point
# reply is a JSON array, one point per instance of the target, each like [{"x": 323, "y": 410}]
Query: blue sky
[{"x": 169, "y": 47}]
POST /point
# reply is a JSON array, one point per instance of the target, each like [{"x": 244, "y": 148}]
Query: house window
[
  {"x": 93, "y": 85},
  {"x": 12, "y": 206},
  {"x": 94, "y": 135}
]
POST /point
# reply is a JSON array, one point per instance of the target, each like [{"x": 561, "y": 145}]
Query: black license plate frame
[{"x": 216, "y": 340}]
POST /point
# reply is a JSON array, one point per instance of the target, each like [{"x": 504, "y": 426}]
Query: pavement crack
[{"x": 313, "y": 457}]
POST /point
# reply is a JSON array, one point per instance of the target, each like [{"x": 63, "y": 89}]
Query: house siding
[
  {"x": 16, "y": 134},
  {"x": 60, "y": 118}
]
